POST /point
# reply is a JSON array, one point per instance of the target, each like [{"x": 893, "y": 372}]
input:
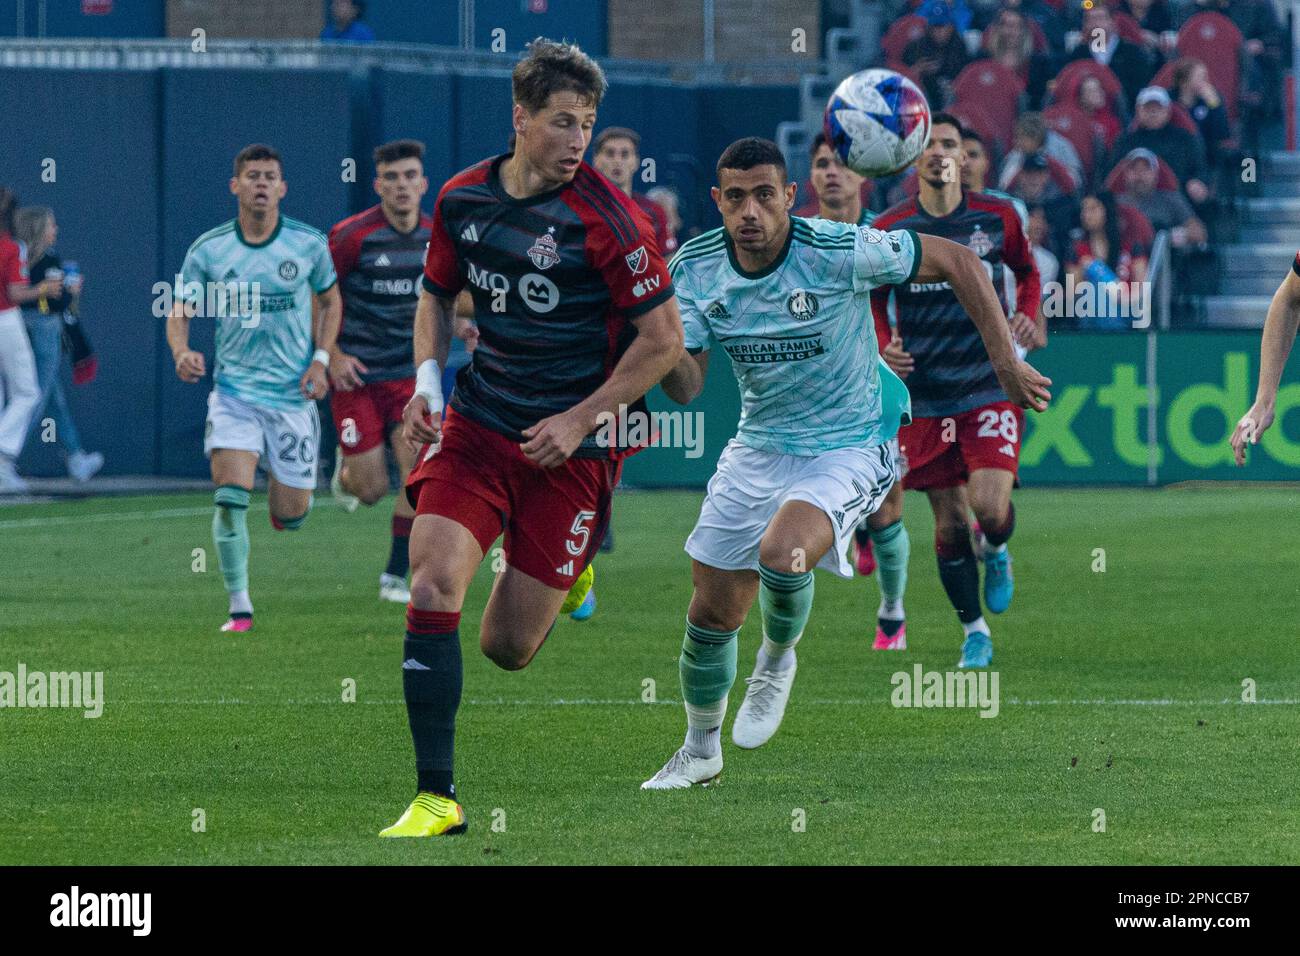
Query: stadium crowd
[{"x": 1111, "y": 122}]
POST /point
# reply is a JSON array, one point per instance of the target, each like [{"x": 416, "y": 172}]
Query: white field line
[
  {"x": 594, "y": 702},
  {"x": 54, "y": 521}
]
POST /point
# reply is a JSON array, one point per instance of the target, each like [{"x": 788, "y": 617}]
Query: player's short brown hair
[
  {"x": 551, "y": 67},
  {"x": 255, "y": 151},
  {"x": 750, "y": 152},
  {"x": 399, "y": 149},
  {"x": 617, "y": 132}
]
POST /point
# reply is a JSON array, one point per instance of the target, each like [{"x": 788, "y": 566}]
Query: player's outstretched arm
[
  {"x": 1279, "y": 335},
  {"x": 943, "y": 260},
  {"x": 656, "y": 350},
  {"x": 686, "y": 380},
  {"x": 422, "y": 417},
  {"x": 189, "y": 364}
]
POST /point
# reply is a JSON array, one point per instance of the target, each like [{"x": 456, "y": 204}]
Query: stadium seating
[
  {"x": 1077, "y": 127},
  {"x": 1216, "y": 41},
  {"x": 900, "y": 33},
  {"x": 994, "y": 88}
]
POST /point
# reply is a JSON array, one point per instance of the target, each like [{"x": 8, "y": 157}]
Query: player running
[
  {"x": 379, "y": 257},
  {"x": 963, "y": 446},
  {"x": 577, "y": 321},
  {"x": 1279, "y": 336},
  {"x": 266, "y": 378},
  {"x": 787, "y": 299},
  {"x": 839, "y": 199}
]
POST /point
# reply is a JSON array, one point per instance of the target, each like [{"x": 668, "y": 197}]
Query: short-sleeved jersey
[
  {"x": 264, "y": 296},
  {"x": 953, "y": 373},
  {"x": 379, "y": 272},
  {"x": 556, "y": 279},
  {"x": 799, "y": 333}
]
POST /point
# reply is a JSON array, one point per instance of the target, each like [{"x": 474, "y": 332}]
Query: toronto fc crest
[
  {"x": 980, "y": 243},
  {"x": 542, "y": 252}
]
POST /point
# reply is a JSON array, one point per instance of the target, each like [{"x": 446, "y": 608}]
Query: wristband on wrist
[
  {"x": 428, "y": 383},
  {"x": 322, "y": 356}
]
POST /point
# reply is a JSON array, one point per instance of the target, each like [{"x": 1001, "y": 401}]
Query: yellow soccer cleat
[
  {"x": 429, "y": 815},
  {"x": 578, "y": 593}
]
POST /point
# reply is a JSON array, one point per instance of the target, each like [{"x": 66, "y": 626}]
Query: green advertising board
[{"x": 1127, "y": 408}]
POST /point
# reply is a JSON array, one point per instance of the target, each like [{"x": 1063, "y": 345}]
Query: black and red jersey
[
  {"x": 379, "y": 276},
  {"x": 953, "y": 373},
  {"x": 556, "y": 279}
]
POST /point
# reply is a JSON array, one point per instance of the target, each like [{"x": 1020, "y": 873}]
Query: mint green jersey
[
  {"x": 799, "y": 333},
  {"x": 261, "y": 298}
]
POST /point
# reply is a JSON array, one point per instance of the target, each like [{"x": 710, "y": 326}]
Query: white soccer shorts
[
  {"x": 288, "y": 441},
  {"x": 750, "y": 486}
]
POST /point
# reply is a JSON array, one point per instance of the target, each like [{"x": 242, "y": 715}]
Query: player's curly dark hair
[
  {"x": 253, "y": 152},
  {"x": 399, "y": 149},
  {"x": 550, "y": 67},
  {"x": 750, "y": 152}
]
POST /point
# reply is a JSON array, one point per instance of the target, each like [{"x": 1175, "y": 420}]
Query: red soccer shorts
[
  {"x": 942, "y": 452},
  {"x": 363, "y": 416},
  {"x": 553, "y": 518}
]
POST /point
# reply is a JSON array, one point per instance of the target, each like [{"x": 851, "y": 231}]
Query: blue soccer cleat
[
  {"x": 587, "y": 608},
  {"x": 976, "y": 651},
  {"x": 999, "y": 586}
]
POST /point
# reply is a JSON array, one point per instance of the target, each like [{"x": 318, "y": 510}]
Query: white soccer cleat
[
  {"x": 392, "y": 588},
  {"x": 766, "y": 694},
  {"x": 683, "y": 769},
  {"x": 347, "y": 502}
]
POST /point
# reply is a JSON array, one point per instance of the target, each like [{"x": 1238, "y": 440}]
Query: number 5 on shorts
[{"x": 577, "y": 545}]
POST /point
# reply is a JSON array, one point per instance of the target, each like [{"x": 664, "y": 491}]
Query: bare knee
[
  {"x": 782, "y": 553},
  {"x": 990, "y": 509},
  {"x": 505, "y": 655},
  {"x": 434, "y": 589}
]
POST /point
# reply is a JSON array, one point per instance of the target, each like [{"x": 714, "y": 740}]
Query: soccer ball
[{"x": 878, "y": 122}]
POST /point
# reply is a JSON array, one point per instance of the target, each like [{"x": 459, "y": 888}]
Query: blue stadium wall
[{"x": 141, "y": 161}]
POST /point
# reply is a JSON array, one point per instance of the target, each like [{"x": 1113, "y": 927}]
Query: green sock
[
  {"x": 785, "y": 600},
  {"x": 893, "y": 547},
  {"x": 708, "y": 669},
  {"x": 230, "y": 531}
]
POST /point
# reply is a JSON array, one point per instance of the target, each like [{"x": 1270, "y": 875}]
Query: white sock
[
  {"x": 991, "y": 549},
  {"x": 704, "y": 729},
  {"x": 240, "y": 603},
  {"x": 975, "y": 625},
  {"x": 775, "y": 657},
  {"x": 891, "y": 610}
]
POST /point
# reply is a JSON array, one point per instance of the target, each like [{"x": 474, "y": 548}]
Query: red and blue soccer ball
[{"x": 878, "y": 122}]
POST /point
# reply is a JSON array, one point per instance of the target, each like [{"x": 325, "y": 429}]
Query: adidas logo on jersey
[
  {"x": 469, "y": 233},
  {"x": 566, "y": 569},
  {"x": 717, "y": 311},
  {"x": 383, "y": 260},
  {"x": 839, "y": 517}
]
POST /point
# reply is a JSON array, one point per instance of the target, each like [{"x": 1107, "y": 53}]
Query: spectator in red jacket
[
  {"x": 616, "y": 154},
  {"x": 1092, "y": 100}
]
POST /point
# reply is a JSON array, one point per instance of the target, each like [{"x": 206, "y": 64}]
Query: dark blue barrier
[
  {"x": 438, "y": 22},
  {"x": 141, "y": 19}
]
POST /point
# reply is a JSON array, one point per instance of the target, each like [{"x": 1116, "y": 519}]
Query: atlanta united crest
[
  {"x": 542, "y": 252},
  {"x": 980, "y": 243}
]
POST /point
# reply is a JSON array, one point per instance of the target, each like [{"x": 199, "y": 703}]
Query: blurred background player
[
  {"x": 839, "y": 199},
  {"x": 19, "y": 393},
  {"x": 788, "y": 300},
  {"x": 266, "y": 378},
  {"x": 1279, "y": 336},
  {"x": 965, "y": 433},
  {"x": 379, "y": 256},
  {"x": 37, "y": 229},
  {"x": 542, "y": 241},
  {"x": 616, "y": 154}
]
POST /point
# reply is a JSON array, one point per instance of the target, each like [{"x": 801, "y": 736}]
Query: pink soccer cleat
[
  {"x": 864, "y": 559},
  {"x": 239, "y": 624},
  {"x": 886, "y": 643}
]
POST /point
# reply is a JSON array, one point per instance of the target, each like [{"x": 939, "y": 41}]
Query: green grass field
[{"x": 1120, "y": 690}]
